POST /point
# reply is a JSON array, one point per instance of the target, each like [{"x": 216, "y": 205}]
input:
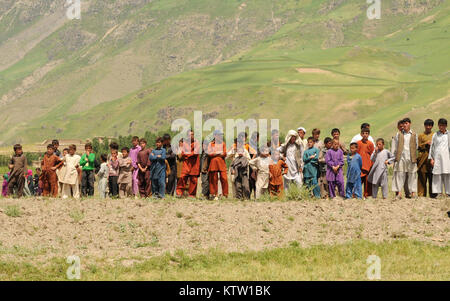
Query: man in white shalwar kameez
[
  {"x": 404, "y": 146},
  {"x": 440, "y": 159}
]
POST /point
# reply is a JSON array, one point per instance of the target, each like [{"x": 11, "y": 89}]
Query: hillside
[{"x": 133, "y": 65}]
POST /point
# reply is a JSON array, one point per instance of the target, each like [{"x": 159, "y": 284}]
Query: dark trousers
[
  {"x": 19, "y": 181},
  {"x": 144, "y": 183},
  {"x": 205, "y": 184},
  {"x": 171, "y": 180},
  {"x": 87, "y": 182},
  {"x": 422, "y": 179},
  {"x": 113, "y": 186}
]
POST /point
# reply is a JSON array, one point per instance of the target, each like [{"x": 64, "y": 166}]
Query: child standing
[
  {"x": 135, "y": 149},
  {"x": 354, "y": 173},
  {"x": 71, "y": 178},
  {"x": 158, "y": 169},
  {"x": 49, "y": 164},
  {"x": 277, "y": 169},
  {"x": 365, "y": 150},
  {"x": 18, "y": 171},
  {"x": 378, "y": 175},
  {"x": 125, "y": 174},
  {"x": 322, "y": 177},
  {"x": 37, "y": 182},
  {"x": 103, "y": 174},
  {"x": 113, "y": 172},
  {"x": 217, "y": 153},
  {"x": 143, "y": 163},
  {"x": 336, "y": 134},
  {"x": 311, "y": 169},
  {"x": 292, "y": 151},
  {"x": 335, "y": 164},
  {"x": 260, "y": 166},
  {"x": 440, "y": 159},
  {"x": 239, "y": 169},
  {"x": 87, "y": 164},
  {"x": 424, "y": 168}
]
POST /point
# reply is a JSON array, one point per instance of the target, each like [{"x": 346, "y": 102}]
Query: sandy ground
[{"x": 127, "y": 229}]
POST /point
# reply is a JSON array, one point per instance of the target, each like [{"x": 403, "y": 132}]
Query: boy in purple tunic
[
  {"x": 335, "y": 175},
  {"x": 135, "y": 149}
]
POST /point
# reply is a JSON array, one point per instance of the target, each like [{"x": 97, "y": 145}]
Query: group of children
[{"x": 254, "y": 170}]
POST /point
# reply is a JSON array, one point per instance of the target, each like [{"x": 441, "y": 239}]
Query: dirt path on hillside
[{"x": 117, "y": 229}]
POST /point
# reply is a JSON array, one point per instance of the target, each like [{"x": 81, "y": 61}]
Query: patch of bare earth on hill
[
  {"x": 129, "y": 229},
  {"x": 313, "y": 70}
]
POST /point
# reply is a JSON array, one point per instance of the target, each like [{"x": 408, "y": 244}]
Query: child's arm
[
  {"x": 152, "y": 156},
  {"x": 253, "y": 163},
  {"x": 163, "y": 155}
]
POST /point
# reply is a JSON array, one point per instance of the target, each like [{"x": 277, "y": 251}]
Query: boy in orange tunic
[
  {"x": 277, "y": 169},
  {"x": 217, "y": 151},
  {"x": 365, "y": 150},
  {"x": 50, "y": 164},
  {"x": 190, "y": 169}
]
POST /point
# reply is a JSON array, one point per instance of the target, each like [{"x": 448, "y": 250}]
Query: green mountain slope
[{"x": 311, "y": 63}]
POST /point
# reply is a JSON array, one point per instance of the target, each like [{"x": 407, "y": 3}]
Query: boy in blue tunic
[
  {"x": 311, "y": 167},
  {"x": 354, "y": 173},
  {"x": 158, "y": 169}
]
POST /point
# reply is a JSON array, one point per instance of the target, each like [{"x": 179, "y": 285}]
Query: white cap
[{"x": 301, "y": 128}]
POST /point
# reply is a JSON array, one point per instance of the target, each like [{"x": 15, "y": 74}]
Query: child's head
[
  {"x": 103, "y": 158},
  {"x": 428, "y": 125},
  {"x": 135, "y": 141},
  {"x": 88, "y": 147},
  {"x": 316, "y": 134},
  {"x": 218, "y": 136},
  {"x": 38, "y": 171},
  {"x": 114, "y": 153},
  {"x": 55, "y": 143},
  {"x": 365, "y": 132},
  {"x": 125, "y": 151},
  {"x": 335, "y": 144},
  {"x": 275, "y": 135},
  {"x": 264, "y": 151},
  {"x": 72, "y": 149},
  {"x": 65, "y": 151},
  {"x": 240, "y": 151},
  {"x": 275, "y": 155},
  {"x": 365, "y": 125},
  {"x": 328, "y": 142},
  {"x": 18, "y": 149},
  {"x": 406, "y": 124},
  {"x": 442, "y": 124},
  {"x": 166, "y": 139},
  {"x": 301, "y": 132},
  {"x": 335, "y": 133},
  {"x": 310, "y": 142},
  {"x": 114, "y": 146},
  {"x": 30, "y": 172},
  {"x": 353, "y": 148},
  {"x": 143, "y": 143},
  {"x": 400, "y": 125},
  {"x": 50, "y": 149},
  {"x": 159, "y": 142},
  {"x": 380, "y": 144}
]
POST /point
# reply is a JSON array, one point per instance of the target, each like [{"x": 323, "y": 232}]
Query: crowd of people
[{"x": 421, "y": 164}]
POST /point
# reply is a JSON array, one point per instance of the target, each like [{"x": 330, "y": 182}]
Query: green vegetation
[
  {"x": 400, "y": 260},
  {"x": 13, "y": 211},
  {"x": 312, "y": 63}
]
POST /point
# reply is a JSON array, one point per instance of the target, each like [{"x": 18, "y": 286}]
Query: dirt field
[{"x": 38, "y": 230}]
